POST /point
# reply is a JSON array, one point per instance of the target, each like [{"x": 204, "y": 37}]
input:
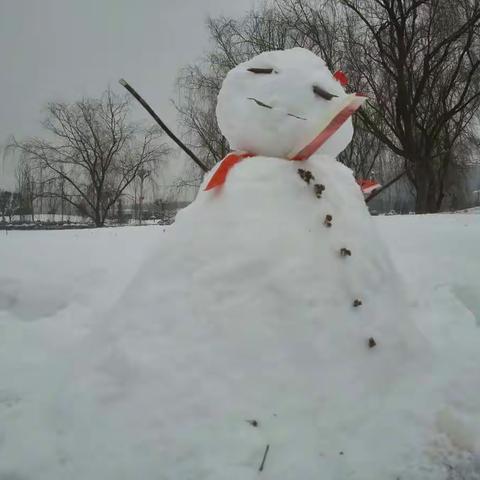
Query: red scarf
[{"x": 352, "y": 105}]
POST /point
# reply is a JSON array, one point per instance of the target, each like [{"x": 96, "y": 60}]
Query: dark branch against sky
[{"x": 64, "y": 49}]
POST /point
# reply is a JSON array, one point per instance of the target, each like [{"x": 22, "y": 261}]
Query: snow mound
[{"x": 77, "y": 402}]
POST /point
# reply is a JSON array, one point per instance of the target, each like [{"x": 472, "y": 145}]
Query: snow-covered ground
[
  {"x": 472, "y": 211},
  {"x": 59, "y": 420}
]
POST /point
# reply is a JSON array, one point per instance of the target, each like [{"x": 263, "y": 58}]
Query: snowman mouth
[{"x": 264, "y": 105}]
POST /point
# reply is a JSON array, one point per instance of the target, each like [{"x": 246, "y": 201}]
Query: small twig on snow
[{"x": 264, "y": 458}]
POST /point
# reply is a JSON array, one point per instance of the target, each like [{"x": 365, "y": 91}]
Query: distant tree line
[
  {"x": 15, "y": 210},
  {"x": 417, "y": 60}
]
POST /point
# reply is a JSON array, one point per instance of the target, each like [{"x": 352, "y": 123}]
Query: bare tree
[
  {"x": 9, "y": 204},
  {"x": 198, "y": 89},
  {"x": 27, "y": 186},
  {"x": 4, "y": 202},
  {"x": 234, "y": 41},
  {"x": 364, "y": 152},
  {"x": 419, "y": 61},
  {"x": 142, "y": 176},
  {"x": 95, "y": 155}
]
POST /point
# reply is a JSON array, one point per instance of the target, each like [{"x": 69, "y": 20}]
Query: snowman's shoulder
[
  {"x": 330, "y": 166},
  {"x": 324, "y": 168},
  {"x": 261, "y": 163}
]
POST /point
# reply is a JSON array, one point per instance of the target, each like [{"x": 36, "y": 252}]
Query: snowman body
[
  {"x": 300, "y": 228},
  {"x": 256, "y": 316},
  {"x": 269, "y": 253}
]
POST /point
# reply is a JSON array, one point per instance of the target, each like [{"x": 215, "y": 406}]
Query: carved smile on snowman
[
  {"x": 319, "y": 91},
  {"x": 261, "y": 104}
]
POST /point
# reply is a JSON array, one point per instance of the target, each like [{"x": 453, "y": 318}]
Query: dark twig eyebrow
[
  {"x": 260, "y": 70},
  {"x": 323, "y": 93}
]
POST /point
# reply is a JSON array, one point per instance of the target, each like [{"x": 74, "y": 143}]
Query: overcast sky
[{"x": 64, "y": 49}]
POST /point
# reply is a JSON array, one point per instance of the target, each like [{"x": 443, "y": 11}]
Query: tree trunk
[
  {"x": 140, "y": 215},
  {"x": 428, "y": 189},
  {"x": 98, "y": 219}
]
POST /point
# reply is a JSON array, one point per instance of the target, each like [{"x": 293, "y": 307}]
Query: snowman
[
  {"x": 270, "y": 328},
  {"x": 282, "y": 196}
]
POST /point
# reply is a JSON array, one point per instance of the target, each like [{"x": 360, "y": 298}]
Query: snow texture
[{"x": 76, "y": 402}]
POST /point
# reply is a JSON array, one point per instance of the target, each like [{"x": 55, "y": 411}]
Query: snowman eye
[
  {"x": 323, "y": 93},
  {"x": 260, "y": 70}
]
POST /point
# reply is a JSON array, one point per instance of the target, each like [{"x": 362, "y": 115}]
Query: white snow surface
[
  {"x": 143, "y": 352},
  {"x": 296, "y": 115}
]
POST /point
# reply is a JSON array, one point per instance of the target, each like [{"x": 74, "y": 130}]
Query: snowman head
[{"x": 276, "y": 101}]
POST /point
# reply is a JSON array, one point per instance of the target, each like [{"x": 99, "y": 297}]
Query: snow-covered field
[{"x": 55, "y": 287}]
